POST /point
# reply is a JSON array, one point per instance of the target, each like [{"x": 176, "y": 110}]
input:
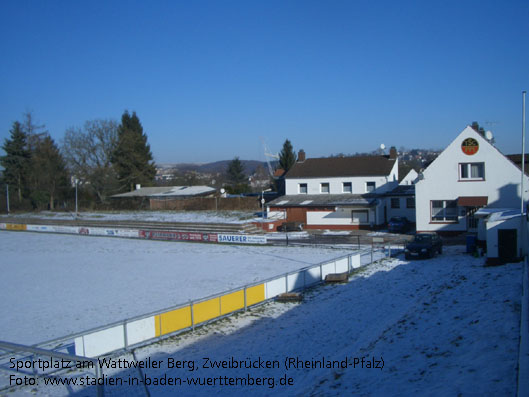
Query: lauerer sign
[{"x": 470, "y": 146}]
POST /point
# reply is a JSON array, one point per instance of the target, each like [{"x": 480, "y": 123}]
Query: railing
[{"x": 36, "y": 351}]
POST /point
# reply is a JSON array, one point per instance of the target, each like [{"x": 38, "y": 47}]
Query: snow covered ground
[
  {"x": 55, "y": 285},
  {"x": 443, "y": 326},
  {"x": 155, "y": 216}
]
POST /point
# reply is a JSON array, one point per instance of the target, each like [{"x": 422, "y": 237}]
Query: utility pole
[
  {"x": 523, "y": 223},
  {"x": 7, "y": 198}
]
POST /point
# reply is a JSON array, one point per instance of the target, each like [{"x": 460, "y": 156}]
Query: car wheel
[
  {"x": 440, "y": 250},
  {"x": 407, "y": 256},
  {"x": 431, "y": 253}
]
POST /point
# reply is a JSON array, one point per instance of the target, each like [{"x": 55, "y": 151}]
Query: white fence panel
[
  {"x": 140, "y": 330},
  {"x": 327, "y": 268},
  {"x": 355, "y": 261},
  {"x": 312, "y": 276},
  {"x": 295, "y": 281},
  {"x": 275, "y": 287},
  {"x": 342, "y": 265},
  {"x": 100, "y": 342}
]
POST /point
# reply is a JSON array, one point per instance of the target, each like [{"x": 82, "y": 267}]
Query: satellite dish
[
  {"x": 488, "y": 135},
  {"x": 222, "y": 191},
  {"x": 382, "y": 146}
]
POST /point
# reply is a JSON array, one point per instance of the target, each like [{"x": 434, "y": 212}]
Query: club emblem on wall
[{"x": 470, "y": 146}]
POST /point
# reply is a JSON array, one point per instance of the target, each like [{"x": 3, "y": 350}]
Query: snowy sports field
[
  {"x": 446, "y": 326},
  {"x": 55, "y": 285}
]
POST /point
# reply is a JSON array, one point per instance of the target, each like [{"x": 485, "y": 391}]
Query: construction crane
[{"x": 269, "y": 156}]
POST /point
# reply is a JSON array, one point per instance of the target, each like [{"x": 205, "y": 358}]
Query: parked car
[
  {"x": 424, "y": 245},
  {"x": 290, "y": 227},
  {"x": 398, "y": 224}
]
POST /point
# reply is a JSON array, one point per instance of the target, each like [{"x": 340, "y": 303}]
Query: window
[
  {"x": 324, "y": 187},
  {"x": 444, "y": 211},
  {"x": 302, "y": 188},
  {"x": 347, "y": 187},
  {"x": 360, "y": 216},
  {"x": 472, "y": 171},
  {"x": 395, "y": 203},
  {"x": 410, "y": 202},
  {"x": 370, "y": 187}
]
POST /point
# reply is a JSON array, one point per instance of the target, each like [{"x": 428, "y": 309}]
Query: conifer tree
[
  {"x": 16, "y": 160},
  {"x": 50, "y": 179},
  {"x": 237, "y": 177},
  {"x": 132, "y": 157},
  {"x": 287, "y": 157}
]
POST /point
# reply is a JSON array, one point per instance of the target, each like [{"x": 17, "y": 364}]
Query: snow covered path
[
  {"x": 445, "y": 326},
  {"x": 55, "y": 285}
]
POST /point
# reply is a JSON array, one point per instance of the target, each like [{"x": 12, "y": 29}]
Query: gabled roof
[
  {"x": 402, "y": 190},
  {"x": 168, "y": 191},
  {"x": 517, "y": 159},
  {"x": 342, "y": 167}
]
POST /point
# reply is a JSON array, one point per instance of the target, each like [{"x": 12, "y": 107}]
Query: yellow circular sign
[{"x": 470, "y": 146}]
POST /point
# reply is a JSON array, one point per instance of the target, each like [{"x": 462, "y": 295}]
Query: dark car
[
  {"x": 398, "y": 224},
  {"x": 424, "y": 245}
]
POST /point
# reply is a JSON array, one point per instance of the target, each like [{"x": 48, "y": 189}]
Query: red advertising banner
[{"x": 177, "y": 236}]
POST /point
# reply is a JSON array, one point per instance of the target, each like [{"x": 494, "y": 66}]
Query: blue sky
[{"x": 210, "y": 79}]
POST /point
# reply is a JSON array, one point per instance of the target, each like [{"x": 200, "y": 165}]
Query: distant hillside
[{"x": 216, "y": 167}]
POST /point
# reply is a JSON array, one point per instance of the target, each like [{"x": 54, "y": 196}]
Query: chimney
[
  {"x": 301, "y": 156},
  {"x": 393, "y": 153}
]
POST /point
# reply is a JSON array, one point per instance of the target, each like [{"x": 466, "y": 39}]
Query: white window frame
[
  {"x": 350, "y": 184},
  {"x": 444, "y": 212},
  {"x": 326, "y": 185},
  {"x": 301, "y": 186},
  {"x": 466, "y": 168},
  {"x": 371, "y": 183}
]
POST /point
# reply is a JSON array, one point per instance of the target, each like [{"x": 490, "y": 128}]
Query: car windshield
[{"x": 423, "y": 238}]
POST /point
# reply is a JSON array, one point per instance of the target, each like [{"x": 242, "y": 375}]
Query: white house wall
[
  {"x": 382, "y": 184},
  {"x": 408, "y": 213},
  {"x": 492, "y": 235},
  {"x": 441, "y": 182},
  {"x": 340, "y": 217}
]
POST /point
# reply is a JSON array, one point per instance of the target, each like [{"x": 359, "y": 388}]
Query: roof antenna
[{"x": 382, "y": 149}]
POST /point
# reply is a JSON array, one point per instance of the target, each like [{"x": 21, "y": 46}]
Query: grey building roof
[
  {"x": 168, "y": 191},
  {"x": 402, "y": 190},
  {"x": 324, "y": 200}
]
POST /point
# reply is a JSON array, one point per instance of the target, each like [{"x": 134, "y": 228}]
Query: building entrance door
[
  {"x": 507, "y": 245},
  {"x": 472, "y": 221}
]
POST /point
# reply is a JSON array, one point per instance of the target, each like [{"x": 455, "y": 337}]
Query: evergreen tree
[
  {"x": 132, "y": 158},
  {"x": 287, "y": 157},
  {"x": 16, "y": 160},
  {"x": 50, "y": 179},
  {"x": 237, "y": 177}
]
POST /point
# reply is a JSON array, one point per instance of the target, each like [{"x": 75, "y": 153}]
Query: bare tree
[{"x": 88, "y": 151}]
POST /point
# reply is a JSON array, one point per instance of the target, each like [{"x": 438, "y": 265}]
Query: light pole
[
  {"x": 262, "y": 205},
  {"x": 7, "y": 198},
  {"x": 76, "y": 183}
]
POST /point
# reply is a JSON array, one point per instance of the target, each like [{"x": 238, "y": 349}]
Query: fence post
[
  {"x": 193, "y": 315},
  {"x": 245, "y": 304},
  {"x": 125, "y": 336},
  {"x": 99, "y": 376}
]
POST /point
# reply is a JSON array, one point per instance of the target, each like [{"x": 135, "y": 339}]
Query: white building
[
  {"x": 337, "y": 192},
  {"x": 469, "y": 174}
]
